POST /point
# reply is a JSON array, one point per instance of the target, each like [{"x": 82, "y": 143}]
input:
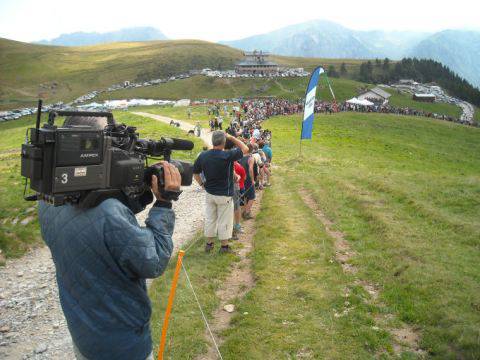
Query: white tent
[
  {"x": 367, "y": 103},
  {"x": 123, "y": 104},
  {"x": 364, "y": 102},
  {"x": 116, "y": 104},
  {"x": 92, "y": 105},
  {"x": 183, "y": 102}
]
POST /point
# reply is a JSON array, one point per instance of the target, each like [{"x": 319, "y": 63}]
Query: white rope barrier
[{"x": 201, "y": 311}]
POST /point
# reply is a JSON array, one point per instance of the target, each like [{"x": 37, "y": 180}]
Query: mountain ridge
[
  {"x": 457, "y": 49},
  {"x": 322, "y": 38},
  {"x": 371, "y": 44},
  {"x": 80, "y": 38}
]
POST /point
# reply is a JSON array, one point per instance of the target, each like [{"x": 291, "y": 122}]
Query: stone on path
[
  {"x": 27, "y": 220},
  {"x": 229, "y": 308},
  {"x": 41, "y": 348}
]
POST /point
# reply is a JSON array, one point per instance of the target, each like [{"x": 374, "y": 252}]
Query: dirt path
[
  {"x": 204, "y": 135},
  {"x": 283, "y": 88},
  {"x": 32, "y": 325},
  {"x": 240, "y": 280},
  {"x": 406, "y": 337},
  {"x": 468, "y": 112},
  {"x": 236, "y": 285}
]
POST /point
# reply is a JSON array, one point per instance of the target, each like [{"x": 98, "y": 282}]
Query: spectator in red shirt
[
  {"x": 240, "y": 176},
  {"x": 240, "y": 171}
]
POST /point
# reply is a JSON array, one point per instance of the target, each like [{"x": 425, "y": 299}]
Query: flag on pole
[{"x": 309, "y": 109}]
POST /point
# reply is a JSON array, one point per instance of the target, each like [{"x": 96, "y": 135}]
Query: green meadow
[
  {"x": 55, "y": 73},
  {"x": 202, "y": 87},
  {"x": 405, "y": 192},
  {"x": 405, "y": 100}
]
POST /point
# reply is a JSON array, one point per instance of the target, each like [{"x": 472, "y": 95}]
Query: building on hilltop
[
  {"x": 376, "y": 95},
  {"x": 256, "y": 63}
]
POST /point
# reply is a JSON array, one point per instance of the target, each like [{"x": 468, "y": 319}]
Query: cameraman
[{"x": 102, "y": 258}]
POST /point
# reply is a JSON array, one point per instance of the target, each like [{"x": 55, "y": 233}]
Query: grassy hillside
[
  {"x": 352, "y": 65},
  {"x": 16, "y": 238},
  {"x": 405, "y": 192},
  {"x": 201, "y": 87},
  {"x": 29, "y": 72},
  {"x": 405, "y": 100},
  {"x": 54, "y": 73}
]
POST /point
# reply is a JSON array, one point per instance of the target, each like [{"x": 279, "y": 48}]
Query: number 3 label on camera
[{"x": 77, "y": 172}]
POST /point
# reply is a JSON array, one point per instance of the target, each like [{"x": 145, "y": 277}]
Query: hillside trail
[
  {"x": 468, "y": 112},
  {"x": 32, "y": 325},
  {"x": 204, "y": 135},
  {"x": 237, "y": 284},
  {"x": 406, "y": 337}
]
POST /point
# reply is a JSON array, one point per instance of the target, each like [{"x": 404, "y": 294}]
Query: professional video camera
[{"x": 91, "y": 158}]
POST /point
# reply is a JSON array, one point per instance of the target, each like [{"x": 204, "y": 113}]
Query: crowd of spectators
[
  {"x": 329, "y": 108},
  {"x": 257, "y": 110}
]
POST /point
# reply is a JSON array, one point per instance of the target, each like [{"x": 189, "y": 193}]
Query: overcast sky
[{"x": 29, "y": 20}]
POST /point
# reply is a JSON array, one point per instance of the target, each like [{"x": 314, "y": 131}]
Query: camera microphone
[{"x": 177, "y": 144}]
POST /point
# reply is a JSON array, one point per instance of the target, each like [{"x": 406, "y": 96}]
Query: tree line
[{"x": 420, "y": 70}]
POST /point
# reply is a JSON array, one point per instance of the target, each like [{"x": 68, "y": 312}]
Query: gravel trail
[
  {"x": 204, "y": 135},
  {"x": 32, "y": 325}
]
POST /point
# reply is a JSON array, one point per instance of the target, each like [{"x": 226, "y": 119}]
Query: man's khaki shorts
[{"x": 218, "y": 216}]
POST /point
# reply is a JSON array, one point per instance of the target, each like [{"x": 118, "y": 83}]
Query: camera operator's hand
[{"x": 173, "y": 180}]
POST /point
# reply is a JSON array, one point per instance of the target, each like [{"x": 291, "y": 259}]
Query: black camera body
[{"x": 85, "y": 164}]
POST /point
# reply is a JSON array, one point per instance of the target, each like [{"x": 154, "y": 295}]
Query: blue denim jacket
[{"x": 102, "y": 258}]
